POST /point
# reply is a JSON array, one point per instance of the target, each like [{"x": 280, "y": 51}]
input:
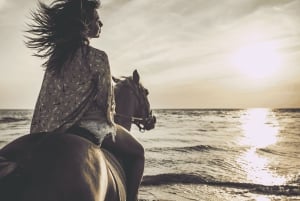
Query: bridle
[{"x": 143, "y": 124}]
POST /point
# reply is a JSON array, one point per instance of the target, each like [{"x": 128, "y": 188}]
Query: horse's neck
[
  {"x": 123, "y": 121},
  {"x": 125, "y": 107}
]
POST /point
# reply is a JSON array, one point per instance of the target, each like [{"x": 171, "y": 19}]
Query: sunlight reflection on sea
[
  {"x": 260, "y": 129},
  {"x": 210, "y": 154}
]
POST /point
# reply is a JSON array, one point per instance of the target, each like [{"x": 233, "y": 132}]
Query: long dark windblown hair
[{"x": 59, "y": 30}]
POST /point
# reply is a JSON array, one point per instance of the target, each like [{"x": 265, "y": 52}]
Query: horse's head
[{"x": 132, "y": 104}]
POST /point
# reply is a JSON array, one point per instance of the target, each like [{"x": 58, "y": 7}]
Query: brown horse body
[{"x": 60, "y": 167}]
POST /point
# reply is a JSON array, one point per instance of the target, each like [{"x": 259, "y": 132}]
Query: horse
[
  {"x": 129, "y": 95},
  {"x": 63, "y": 167}
]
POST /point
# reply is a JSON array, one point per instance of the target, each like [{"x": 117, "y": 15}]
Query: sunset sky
[{"x": 189, "y": 53}]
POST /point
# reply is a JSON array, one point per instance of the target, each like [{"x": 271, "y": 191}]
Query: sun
[{"x": 258, "y": 60}]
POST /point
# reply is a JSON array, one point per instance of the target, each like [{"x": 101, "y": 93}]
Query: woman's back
[{"x": 66, "y": 96}]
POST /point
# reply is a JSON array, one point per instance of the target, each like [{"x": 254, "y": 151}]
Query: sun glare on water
[
  {"x": 257, "y": 60},
  {"x": 260, "y": 129}
]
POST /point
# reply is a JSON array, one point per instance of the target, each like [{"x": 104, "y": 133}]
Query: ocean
[{"x": 210, "y": 154}]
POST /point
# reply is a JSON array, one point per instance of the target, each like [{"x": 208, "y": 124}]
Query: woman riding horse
[
  {"x": 62, "y": 167},
  {"x": 76, "y": 93}
]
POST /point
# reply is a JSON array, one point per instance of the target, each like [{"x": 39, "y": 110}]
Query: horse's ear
[
  {"x": 116, "y": 80},
  {"x": 6, "y": 167},
  {"x": 136, "y": 76}
]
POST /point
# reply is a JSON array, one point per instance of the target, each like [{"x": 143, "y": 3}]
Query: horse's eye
[{"x": 146, "y": 91}]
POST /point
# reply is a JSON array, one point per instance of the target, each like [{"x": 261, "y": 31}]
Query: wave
[
  {"x": 289, "y": 110},
  {"x": 269, "y": 151},
  {"x": 197, "y": 148},
  {"x": 289, "y": 154},
  {"x": 11, "y": 119},
  {"x": 173, "y": 178}
]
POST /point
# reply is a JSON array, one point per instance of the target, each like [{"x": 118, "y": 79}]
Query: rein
[{"x": 139, "y": 122}]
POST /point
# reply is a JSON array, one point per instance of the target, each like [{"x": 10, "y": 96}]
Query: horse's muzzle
[{"x": 149, "y": 123}]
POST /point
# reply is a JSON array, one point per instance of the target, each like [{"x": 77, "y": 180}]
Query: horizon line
[{"x": 191, "y": 108}]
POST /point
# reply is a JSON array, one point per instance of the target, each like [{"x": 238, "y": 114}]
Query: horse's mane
[{"x": 122, "y": 82}]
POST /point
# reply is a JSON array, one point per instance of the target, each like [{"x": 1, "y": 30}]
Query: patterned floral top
[{"x": 65, "y": 98}]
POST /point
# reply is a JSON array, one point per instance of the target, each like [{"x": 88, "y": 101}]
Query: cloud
[
  {"x": 2, "y": 3},
  {"x": 173, "y": 34},
  {"x": 176, "y": 29},
  {"x": 170, "y": 41}
]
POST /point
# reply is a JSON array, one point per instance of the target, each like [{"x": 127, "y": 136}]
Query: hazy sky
[{"x": 190, "y": 53}]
